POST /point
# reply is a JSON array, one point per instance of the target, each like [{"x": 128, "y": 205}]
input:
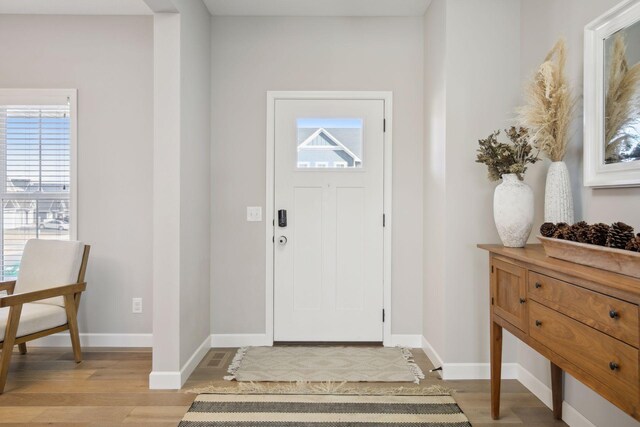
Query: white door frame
[{"x": 272, "y": 96}]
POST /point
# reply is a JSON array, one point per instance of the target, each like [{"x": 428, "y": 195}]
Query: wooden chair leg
[
  {"x": 72, "y": 320},
  {"x": 23, "y": 348},
  {"x": 7, "y": 345}
]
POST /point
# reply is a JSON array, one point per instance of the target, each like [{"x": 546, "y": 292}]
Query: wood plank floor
[{"x": 110, "y": 387}]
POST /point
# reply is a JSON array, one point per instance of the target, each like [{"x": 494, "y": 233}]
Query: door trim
[{"x": 387, "y": 98}]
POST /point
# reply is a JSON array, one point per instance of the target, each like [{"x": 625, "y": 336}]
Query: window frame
[{"x": 53, "y": 97}]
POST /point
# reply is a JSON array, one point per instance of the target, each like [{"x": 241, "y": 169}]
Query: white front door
[{"x": 328, "y": 257}]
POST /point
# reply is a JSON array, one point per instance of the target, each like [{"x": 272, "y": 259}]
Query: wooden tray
[{"x": 610, "y": 259}]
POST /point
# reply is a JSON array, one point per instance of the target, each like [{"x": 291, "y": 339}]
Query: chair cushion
[
  {"x": 47, "y": 264},
  {"x": 34, "y": 318}
]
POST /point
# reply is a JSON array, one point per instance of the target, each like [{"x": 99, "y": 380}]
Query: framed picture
[{"x": 612, "y": 98}]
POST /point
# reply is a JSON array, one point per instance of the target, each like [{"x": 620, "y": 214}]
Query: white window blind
[{"x": 35, "y": 177}]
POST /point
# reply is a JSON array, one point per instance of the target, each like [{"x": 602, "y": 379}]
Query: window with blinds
[{"x": 35, "y": 178}]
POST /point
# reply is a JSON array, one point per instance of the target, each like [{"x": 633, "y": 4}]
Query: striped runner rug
[{"x": 277, "y": 410}]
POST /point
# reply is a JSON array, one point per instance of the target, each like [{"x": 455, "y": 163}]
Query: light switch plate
[
  {"x": 254, "y": 213},
  {"x": 136, "y": 305}
]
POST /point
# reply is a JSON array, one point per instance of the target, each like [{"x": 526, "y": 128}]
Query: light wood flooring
[{"x": 110, "y": 387}]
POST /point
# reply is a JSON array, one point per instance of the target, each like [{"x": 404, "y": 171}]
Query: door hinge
[
  {"x": 273, "y": 239},
  {"x": 492, "y": 268},
  {"x": 491, "y": 300},
  {"x": 384, "y": 125},
  {"x": 383, "y": 315},
  {"x": 384, "y": 220}
]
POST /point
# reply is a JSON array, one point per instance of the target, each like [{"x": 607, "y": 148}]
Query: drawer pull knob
[
  {"x": 522, "y": 300},
  {"x": 538, "y": 323},
  {"x": 614, "y": 366},
  {"x": 613, "y": 314},
  {"x": 538, "y": 285}
]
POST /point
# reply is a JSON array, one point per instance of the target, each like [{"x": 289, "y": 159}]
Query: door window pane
[{"x": 333, "y": 143}]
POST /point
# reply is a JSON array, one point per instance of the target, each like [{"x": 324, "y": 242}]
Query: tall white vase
[
  {"x": 513, "y": 211},
  {"x": 558, "y": 201}
]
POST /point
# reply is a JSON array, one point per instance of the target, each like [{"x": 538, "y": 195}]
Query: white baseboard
[
  {"x": 431, "y": 353},
  {"x": 477, "y": 371},
  {"x": 95, "y": 340},
  {"x": 239, "y": 340},
  {"x": 165, "y": 380},
  {"x": 573, "y": 418},
  {"x": 409, "y": 341},
  {"x": 535, "y": 386},
  {"x": 570, "y": 415},
  {"x": 195, "y": 359},
  {"x": 466, "y": 371},
  {"x": 481, "y": 371},
  {"x": 174, "y": 380}
]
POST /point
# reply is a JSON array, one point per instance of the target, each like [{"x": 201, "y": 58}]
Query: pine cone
[
  {"x": 634, "y": 244},
  {"x": 565, "y": 233},
  {"x": 562, "y": 225},
  {"x": 598, "y": 234},
  {"x": 577, "y": 228},
  {"x": 548, "y": 229},
  {"x": 582, "y": 234},
  {"x": 619, "y": 235}
]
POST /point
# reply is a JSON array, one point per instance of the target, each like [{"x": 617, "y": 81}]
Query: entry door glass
[
  {"x": 328, "y": 265},
  {"x": 329, "y": 143}
]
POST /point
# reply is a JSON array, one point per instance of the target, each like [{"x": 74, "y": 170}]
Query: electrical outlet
[
  {"x": 254, "y": 213},
  {"x": 136, "y": 305}
]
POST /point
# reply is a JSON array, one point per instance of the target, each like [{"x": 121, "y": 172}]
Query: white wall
[
  {"x": 253, "y": 55},
  {"x": 195, "y": 166},
  {"x": 110, "y": 61},
  {"x": 472, "y": 88},
  {"x": 434, "y": 174},
  {"x": 182, "y": 196},
  {"x": 543, "y": 22},
  {"x": 166, "y": 195}
]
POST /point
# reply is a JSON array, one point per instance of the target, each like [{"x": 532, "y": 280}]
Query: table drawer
[
  {"x": 610, "y": 315},
  {"x": 612, "y": 362}
]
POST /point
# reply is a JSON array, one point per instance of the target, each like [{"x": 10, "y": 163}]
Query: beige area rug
[
  {"x": 220, "y": 410},
  {"x": 327, "y": 388},
  {"x": 325, "y": 364}
]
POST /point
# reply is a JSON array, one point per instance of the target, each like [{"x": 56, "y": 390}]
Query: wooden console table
[{"x": 583, "y": 319}]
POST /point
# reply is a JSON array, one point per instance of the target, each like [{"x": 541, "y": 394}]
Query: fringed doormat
[
  {"x": 324, "y": 364},
  {"x": 271, "y": 410}
]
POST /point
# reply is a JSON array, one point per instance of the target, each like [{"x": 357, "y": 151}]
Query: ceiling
[
  {"x": 224, "y": 7},
  {"x": 317, "y": 7},
  {"x": 74, "y": 7}
]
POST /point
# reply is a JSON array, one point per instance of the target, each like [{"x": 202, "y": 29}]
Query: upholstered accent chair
[{"x": 44, "y": 299}]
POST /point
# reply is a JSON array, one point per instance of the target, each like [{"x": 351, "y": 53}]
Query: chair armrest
[
  {"x": 23, "y": 298},
  {"x": 8, "y": 286}
]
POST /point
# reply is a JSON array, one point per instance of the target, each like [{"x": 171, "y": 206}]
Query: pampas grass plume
[
  {"x": 622, "y": 103},
  {"x": 549, "y": 105}
]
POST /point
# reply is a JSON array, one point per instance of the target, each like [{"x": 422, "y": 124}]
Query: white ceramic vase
[
  {"x": 558, "y": 201},
  {"x": 513, "y": 211}
]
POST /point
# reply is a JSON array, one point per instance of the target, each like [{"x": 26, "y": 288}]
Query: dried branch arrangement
[
  {"x": 504, "y": 158},
  {"x": 622, "y": 103},
  {"x": 549, "y": 105}
]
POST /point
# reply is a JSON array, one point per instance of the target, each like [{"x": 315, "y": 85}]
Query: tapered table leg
[
  {"x": 496, "y": 368},
  {"x": 556, "y": 390}
]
